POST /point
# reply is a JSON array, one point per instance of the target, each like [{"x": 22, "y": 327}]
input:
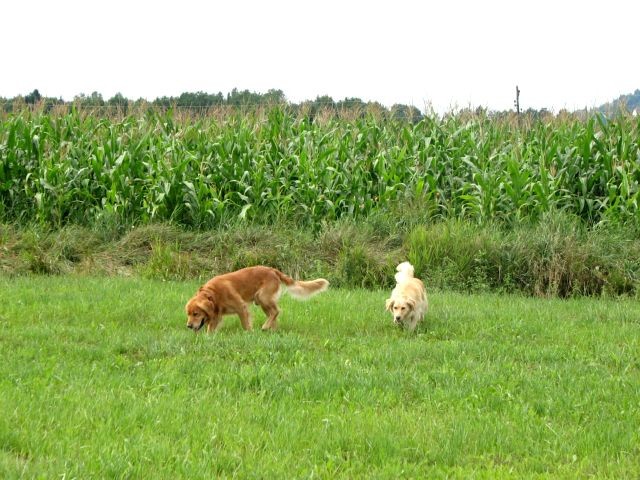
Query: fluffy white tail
[
  {"x": 305, "y": 289},
  {"x": 301, "y": 289},
  {"x": 405, "y": 272}
]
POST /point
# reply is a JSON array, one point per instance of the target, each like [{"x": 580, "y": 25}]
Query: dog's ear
[
  {"x": 388, "y": 304},
  {"x": 208, "y": 305},
  {"x": 412, "y": 303}
]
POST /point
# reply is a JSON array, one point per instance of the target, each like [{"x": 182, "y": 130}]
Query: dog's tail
[
  {"x": 302, "y": 289},
  {"x": 405, "y": 271}
]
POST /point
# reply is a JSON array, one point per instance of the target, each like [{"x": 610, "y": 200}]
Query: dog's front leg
[
  {"x": 245, "y": 318},
  {"x": 213, "y": 324},
  {"x": 413, "y": 321}
]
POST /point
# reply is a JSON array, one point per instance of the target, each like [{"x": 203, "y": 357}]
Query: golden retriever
[
  {"x": 408, "y": 302},
  {"x": 232, "y": 292}
]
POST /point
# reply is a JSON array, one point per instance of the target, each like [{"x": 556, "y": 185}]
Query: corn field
[{"x": 74, "y": 168}]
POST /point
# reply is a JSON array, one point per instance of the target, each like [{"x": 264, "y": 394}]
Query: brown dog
[{"x": 232, "y": 292}]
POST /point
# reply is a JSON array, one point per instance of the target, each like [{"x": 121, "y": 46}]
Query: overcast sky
[{"x": 447, "y": 54}]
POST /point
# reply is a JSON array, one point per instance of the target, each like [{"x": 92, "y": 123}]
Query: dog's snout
[
  {"x": 397, "y": 318},
  {"x": 189, "y": 325}
]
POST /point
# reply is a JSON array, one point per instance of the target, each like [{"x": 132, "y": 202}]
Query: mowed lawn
[{"x": 100, "y": 378}]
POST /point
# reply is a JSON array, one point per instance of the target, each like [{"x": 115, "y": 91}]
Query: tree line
[
  {"x": 246, "y": 100},
  {"x": 241, "y": 99}
]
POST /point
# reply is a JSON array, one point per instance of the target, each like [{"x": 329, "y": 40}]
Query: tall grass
[
  {"x": 70, "y": 168},
  {"x": 558, "y": 256}
]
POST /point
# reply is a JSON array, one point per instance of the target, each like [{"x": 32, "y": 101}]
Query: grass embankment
[
  {"x": 557, "y": 256},
  {"x": 99, "y": 378}
]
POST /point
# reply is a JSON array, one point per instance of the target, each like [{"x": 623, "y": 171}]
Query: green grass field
[{"x": 99, "y": 378}]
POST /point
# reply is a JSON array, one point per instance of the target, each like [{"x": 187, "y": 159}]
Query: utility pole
[{"x": 517, "y": 102}]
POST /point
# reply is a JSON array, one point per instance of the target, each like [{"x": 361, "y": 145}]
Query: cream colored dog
[{"x": 408, "y": 302}]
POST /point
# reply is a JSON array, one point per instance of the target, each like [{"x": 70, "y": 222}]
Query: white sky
[{"x": 449, "y": 53}]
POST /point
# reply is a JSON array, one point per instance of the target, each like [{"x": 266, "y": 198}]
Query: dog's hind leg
[
  {"x": 267, "y": 298},
  {"x": 272, "y": 311}
]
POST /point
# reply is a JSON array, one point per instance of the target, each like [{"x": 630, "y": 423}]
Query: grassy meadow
[{"x": 99, "y": 378}]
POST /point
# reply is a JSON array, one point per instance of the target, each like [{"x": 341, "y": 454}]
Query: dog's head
[
  {"x": 201, "y": 310},
  {"x": 400, "y": 308}
]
